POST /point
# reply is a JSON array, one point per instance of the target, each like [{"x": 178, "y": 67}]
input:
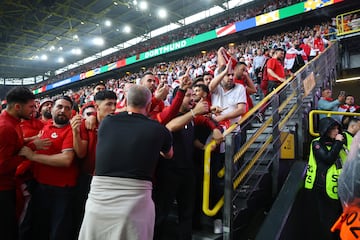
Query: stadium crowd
[
  {"x": 195, "y": 99},
  {"x": 219, "y": 20}
]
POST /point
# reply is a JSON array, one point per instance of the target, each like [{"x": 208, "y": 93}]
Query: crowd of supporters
[
  {"x": 306, "y": 42},
  {"x": 234, "y": 15},
  {"x": 211, "y": 90}
]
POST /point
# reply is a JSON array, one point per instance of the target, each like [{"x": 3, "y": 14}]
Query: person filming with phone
[{"x": 327, "y": 103}]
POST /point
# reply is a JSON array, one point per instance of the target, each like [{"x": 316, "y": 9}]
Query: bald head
[{"x": 138, "y": 96}]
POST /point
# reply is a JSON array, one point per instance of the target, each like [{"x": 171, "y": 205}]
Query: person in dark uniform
[{"x": 324, "y": 168}]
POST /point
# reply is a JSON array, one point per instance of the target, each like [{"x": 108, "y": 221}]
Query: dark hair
[
  {"x": 207, "y": 73},
  {"x": 198, "y": 79},
  {"x": 147, "y": 73},
  {"x": 100, "y": 83},
  {"x": 176, "y": 89},
  {"x": 238, "y": 64},
  {"x": 106, "y": 94},
  {"x": 279, "y": 49},
  {"x": 87, "y": 105},
  {"x": 203, "y": 87},
  {"x": 66, "y": 98},
  {"x": 19, "y": 95}
]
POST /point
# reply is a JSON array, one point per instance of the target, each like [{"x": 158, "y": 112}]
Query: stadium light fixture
[
  {"x": 44, "y": 57},
  {"x": 162, "y": 13},
  {"x": 98, "y": 41},
  {"x": 76, "y": 51},
  {"x": 127, "y": 29},
  {"x": 61, "y": 60},
  {"x": 108, "y": 23},
  {"x": 143, "y": 5}
]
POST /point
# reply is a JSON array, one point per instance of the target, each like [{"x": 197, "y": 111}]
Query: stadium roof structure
[{"x": 36, "y": 34}]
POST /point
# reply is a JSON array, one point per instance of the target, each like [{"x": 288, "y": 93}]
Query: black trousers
[
  {"x": 8, "y": 224},
  {"x": 49, "y": 215},
  {"x": 81, "y": 194},
  {"x": 174, "y": 184}
]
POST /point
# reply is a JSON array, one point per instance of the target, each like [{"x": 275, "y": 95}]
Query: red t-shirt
[
  {"x": 61, "y": 140},
  {"x": 11, "y": 141},
  {"x": 275, "y": 65},
  {"x": 157, "y": 106},
  {"x": 249, "y": 102},
  {"x": 306, "y": 49},
  {"x": 319, "y": 44},
  {"x": 171, "y": 111},
  {"x": 31, "y": 127},
  {"x": 87, "y": 165}
]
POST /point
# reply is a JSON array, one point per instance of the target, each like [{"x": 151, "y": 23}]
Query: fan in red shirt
[
  {"x": 242, "y": 77},
  {"x": 50, "y": 208},
  {"x": 275, "y": 70},
  {"x": 159, "y": 92},
  {"x": 20, "y": 105}
]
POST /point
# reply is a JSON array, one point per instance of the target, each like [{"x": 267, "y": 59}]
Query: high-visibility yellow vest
[{"x": 332, "y": 174}]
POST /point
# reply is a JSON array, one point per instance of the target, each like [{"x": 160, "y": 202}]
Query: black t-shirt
[
  {"x": 183, "y": 149},
  {"x": 129, "y": 145}
]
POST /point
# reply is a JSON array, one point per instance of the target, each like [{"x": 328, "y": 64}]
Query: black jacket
[{"x": 323, "y": 156}]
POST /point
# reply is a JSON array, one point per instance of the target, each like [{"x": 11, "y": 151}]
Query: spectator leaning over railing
[{"x": 327, "y": 103}]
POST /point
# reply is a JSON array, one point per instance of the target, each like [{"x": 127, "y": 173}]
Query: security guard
[{"x": 324, "y": 168}]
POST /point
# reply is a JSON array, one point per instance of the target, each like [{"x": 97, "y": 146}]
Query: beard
[
  {"x": 26, "y": 117},
  {"x": 61, "y": 120},
  {"x": 47, "y": 115},
  {"x": 227, "y": 86}
]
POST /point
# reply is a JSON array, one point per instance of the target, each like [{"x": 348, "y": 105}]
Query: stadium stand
[{"x": 283, "y": 120}]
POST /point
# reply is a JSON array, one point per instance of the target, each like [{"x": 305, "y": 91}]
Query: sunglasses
[{"x": 90, "y": 113}]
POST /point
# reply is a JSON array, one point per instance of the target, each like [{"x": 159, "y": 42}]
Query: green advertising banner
[
  {"x": 291, "y": 10},
  {"x": 172, "y": 47}
]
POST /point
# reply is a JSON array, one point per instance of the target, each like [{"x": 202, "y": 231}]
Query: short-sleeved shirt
[
  {"x": 277, "y": 67},
  {"x": 129, "y": 146},
  {"x": 229, "y": 100},
  {"x": 61, "y": 140}
]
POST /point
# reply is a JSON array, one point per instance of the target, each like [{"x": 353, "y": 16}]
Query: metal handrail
[
  {"x": 340, "y": 23},
  {"x": 328, "y": 114},
  {"x": 244, "y": 148}
]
